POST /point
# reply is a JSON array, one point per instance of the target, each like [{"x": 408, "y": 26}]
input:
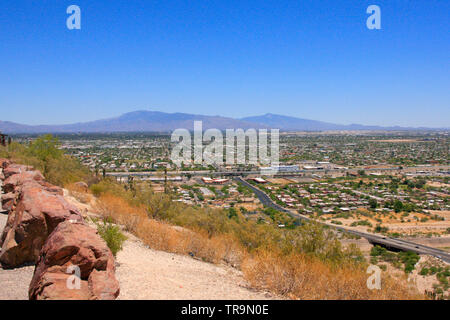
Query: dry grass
[
  {"x": 163, "y": 236},
  {"x": 302, "y": 277},
  {"x": 79, "y": 193},
  {"x": 295, "y": 276}
]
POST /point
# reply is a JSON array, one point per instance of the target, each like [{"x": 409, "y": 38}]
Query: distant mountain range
[{"x": 154, "y": 121}]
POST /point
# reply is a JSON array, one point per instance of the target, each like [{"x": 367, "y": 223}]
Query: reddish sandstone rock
[
  {"x": 4, "y": 163},
  {"x": 51, "y": 188},
  {"x": 15, "y": 169},
  {"x": 82, "y": 186},
  {"x": 74, "y": 244},
  {"x": 8, "y": 201},
  {"x": 36, "y": 214},
  {"x": 16, "y": 180}
]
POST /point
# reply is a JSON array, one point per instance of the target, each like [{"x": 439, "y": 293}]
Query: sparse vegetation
[
  {"x": 44, "y": 154},
  {"x": 408, "y": 259},
  {"x": 112, "y": 235}
]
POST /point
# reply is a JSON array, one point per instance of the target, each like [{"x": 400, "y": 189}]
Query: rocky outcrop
[
  {"x": 16, "y": 180},
  {"x": 43, "y": 228},
  {"x": 35, "y": 216},
  {"x": 82, "y": 186},
  {"x": 8, "y": 201},
  {"x": 74, "y": 244},
  {"x": 11, "y": 169},
  {"x": 4, "y": 163}
]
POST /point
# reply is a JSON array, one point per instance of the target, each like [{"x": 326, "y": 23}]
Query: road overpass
[
  {"x": 235, "y": 173},
  {"x": 391, "y": 243}
]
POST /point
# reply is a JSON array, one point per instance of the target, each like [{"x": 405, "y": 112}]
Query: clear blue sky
[{"x": 306, "y": 58}]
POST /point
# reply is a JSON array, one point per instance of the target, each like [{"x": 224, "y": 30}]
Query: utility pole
[
  {"x": 3, "y": 139},
  {"x": 131, "y": 185},
  {"x": 165, "y": 181}
]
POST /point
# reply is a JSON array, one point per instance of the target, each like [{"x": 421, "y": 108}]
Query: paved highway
[
  {"x": 257, "y": 172},
  {"x": 392, "y": 243}
]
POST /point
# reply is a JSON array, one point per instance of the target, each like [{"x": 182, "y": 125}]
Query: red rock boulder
[
  {"x": 74, "y": 244},
  {"x": 8, "y": 201},
  {"x": 36, "y": 214},
  {"x": 4, "y": 163},
  {"x": 11, "y": 169},
  {"x": 16, "y": 180}
]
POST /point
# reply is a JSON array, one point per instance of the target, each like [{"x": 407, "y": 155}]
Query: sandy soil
[
  {"x": 424, "y": 282},
  {"x": 395, "y": 225},
  {"x": 437, "y": 184},
  {"x": 282, "y": 181}
]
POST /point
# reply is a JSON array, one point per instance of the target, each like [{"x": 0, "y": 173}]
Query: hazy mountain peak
[{"x": 156, "y": 121}]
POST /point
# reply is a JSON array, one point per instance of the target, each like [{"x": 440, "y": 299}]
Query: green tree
[
  {"x": 45, "y": 148},
  {"x": 398, "y": 206}
]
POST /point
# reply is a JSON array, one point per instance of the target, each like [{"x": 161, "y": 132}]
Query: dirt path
[{"x": 144, "y": 273}]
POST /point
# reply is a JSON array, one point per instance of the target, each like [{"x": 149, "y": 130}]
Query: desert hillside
[{"x": 144, "y": 273}]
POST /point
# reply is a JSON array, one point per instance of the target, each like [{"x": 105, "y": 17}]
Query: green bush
[
  {"x": 107, "y": 186},
  {"x": 112, "y": 235},
  {"x": 377, "y": 251},
  {"x": 44, "y": 155},
  {"x": 424, "y": 271},
  {"x": 409, "y": 259}
]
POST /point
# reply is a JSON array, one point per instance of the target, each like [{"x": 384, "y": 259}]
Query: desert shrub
[
  {"x": 377, "y": 251},
  {"x": 108, "y": 186},
  {"x": 424, "y": 271},
  {"x": 361, "y": 223},
  {"x": 409, "y": 259},
  {"x": 300, "y": 276},
  {"x": 44, "y": 155},
  {"x": 112, "y": 235}
]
